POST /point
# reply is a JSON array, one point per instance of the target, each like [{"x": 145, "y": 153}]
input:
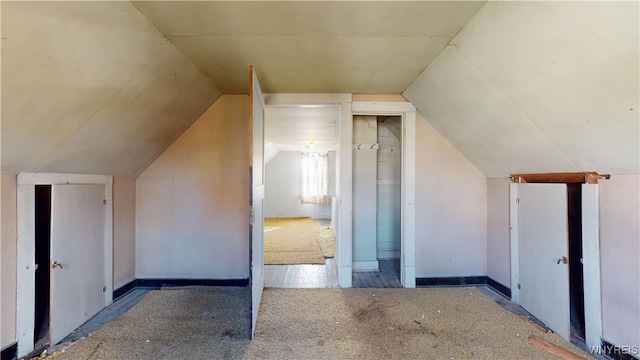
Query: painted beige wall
[
  {"x": 192, "y": 202},
  {"x": 619, "y": 254},
  {"x": 451, "y": 208},
  {"x": 8, "y": 236},
  {"x": 124, "y": 231},
  {"x": 498, "y": 241}
]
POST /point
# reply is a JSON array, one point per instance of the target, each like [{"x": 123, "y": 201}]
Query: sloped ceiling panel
[
  {"x": 311, "y": 46},
  {"x": 92, "y": 87},
  {"x": 540, "y": 87}
]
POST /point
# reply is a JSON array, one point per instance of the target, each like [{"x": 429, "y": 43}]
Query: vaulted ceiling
[
  {"x": 311, "y": 46},
  {"x": 105, "y": 87}
]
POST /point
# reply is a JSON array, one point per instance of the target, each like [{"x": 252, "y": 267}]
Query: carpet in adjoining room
[{"x": 292, "y": 241}]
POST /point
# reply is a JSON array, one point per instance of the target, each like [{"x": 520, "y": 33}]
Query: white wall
[
  {"x": 124, "y": 231},
  {"x": 192, "y": 203},
  {"x": 389, "y": 194},
  {"x": 451, "y": 208},
  {"x": 365, "y": 131},
  {"x": 619, "y": 254},
  {"x": 498, "y": 240},
  {"x": 8, "y": 237},
  {"x": 282, "y": 187}
]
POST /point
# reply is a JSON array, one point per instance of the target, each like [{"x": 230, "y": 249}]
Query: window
[{"x": 314, "y": 179}]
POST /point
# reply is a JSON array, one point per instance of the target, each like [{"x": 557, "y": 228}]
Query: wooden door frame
[
  {"x": 590, "y": 256},
  {"x": 26, "y": 183},
  {"x": 408, "y": 179}
]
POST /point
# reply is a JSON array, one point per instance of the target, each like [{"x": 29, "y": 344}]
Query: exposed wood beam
[{"x": 569, "y": 178}]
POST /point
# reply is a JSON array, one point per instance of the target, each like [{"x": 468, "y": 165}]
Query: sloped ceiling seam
[
  {"x": 183, "y": 54},
  {"x": 188, "y": 60}
]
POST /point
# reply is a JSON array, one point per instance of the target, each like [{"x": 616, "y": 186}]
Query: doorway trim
[
  {"x": 343, "y": 169},
  {"x": 407, "y": 243},
  {"x": 590, "y": 256},
  {"x": 26, "y": 245}
]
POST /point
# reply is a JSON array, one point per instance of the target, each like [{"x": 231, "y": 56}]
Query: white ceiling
[
  {"x": 104, "y": 87},
  {"x": 302, "y": 128},
  {"x": 311, "y": 46}
]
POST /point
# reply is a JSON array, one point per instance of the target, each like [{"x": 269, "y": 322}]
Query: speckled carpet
[{"x": 212, "y": 323}]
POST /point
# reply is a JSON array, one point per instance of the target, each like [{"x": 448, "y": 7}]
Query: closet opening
[{"x": 43, "y": 270}]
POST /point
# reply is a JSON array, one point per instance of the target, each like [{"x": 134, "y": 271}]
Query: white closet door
[
  {"x": 77, "y": 256},
  {"x": 543, "y": 254}
]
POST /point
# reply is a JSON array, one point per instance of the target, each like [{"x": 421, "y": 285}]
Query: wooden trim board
[{"x": 568, "y": 178}]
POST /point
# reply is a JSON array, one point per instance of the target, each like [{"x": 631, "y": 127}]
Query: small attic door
[
  {"x": 541, "y": 260},
  {"x": 81, "y": 204},
  {"x": 77, "y": 256},
  {"x": 543, "y": 283}
]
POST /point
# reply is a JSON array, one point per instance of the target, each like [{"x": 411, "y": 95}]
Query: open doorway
[
  {"x": 576, "y": 273},
  {"x": 43, "y": 270},
  {"x": 377, "y": 170},
  {"x": 300, "y": 192}
]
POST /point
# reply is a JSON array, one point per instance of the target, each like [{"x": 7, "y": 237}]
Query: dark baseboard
[
  {"x": 10, "y": 352},
  {"x": 619, "y": 352},
  {"x": 499, "y": 287},
  {"x": 464, "y": 281},
  {"x": 124, "y": 289},
  {"x": 452, "y": 281},
  {"x": 159, "y": 283}
]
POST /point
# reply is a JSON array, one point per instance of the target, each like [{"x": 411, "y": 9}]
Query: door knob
[
  {"x": 56, "y": 264},
  {"x": 563, "y": 260}
]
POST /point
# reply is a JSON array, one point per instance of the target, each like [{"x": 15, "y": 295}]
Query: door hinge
[
  {"x": 104, "y": 289},
  {"x": 251, "y": 215},
  {"x": 104, "y": 202},
  {"x": 517, "y": 200}
]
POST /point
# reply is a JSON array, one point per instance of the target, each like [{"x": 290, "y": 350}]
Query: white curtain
[{"x": 314, "y": 179}]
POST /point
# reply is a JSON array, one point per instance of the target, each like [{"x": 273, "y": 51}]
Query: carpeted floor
[
  {"x": 212, "y": 323},
  {"x": 295, "y": 241}
]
